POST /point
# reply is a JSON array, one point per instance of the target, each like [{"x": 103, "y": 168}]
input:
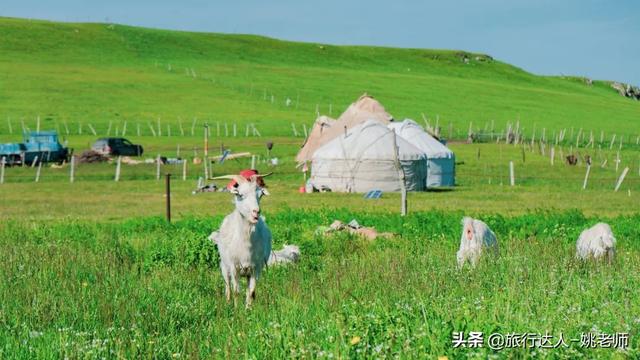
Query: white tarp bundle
[
  {"x": 440, "y": 159},
  {"x": 363, "y": 160}
]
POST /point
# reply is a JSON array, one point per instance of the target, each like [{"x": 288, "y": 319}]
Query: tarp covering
[
  {"x": 326, "y": 129},
  {"x": 317, "y": 137},
  {"x": 363, "y": 160},
  {"x": 440, "y": 159},
  {"x": 366, "y": 108}
]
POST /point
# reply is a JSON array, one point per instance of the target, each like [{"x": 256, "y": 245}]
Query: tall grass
[{"x": 145, "y": 288}]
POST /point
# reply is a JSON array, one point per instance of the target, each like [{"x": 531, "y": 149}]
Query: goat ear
[{"x": 234, "y": 191}]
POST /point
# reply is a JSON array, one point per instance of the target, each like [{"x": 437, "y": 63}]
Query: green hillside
[{"x": 98, "y": 73}]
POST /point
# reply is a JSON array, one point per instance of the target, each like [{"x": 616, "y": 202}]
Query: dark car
[{"x": 117, "y": 146}]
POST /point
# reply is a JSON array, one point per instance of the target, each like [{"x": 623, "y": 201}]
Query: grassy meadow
[
  {"x": 100, "y": 73},
  {"x": 146, "y": 289},
  {"x": 92, "y": 270}
]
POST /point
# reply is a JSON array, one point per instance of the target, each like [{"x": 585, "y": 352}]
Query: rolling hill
[{"x": 96, "y": 73}]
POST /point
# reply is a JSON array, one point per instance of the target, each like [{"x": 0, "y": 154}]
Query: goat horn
[{"x": 239, "y": 179}]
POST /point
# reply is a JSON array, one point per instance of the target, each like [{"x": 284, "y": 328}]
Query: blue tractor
[{"x": 40, "y": 146}]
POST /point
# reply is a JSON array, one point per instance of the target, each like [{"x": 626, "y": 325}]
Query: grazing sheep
[
  {"x": 476, "y": 236},
  {"x": 596, "y": 242},
  {"x": 244, "y": 240}
]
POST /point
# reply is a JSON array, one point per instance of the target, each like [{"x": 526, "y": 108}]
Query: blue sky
[{"x": 595, "y": 38}]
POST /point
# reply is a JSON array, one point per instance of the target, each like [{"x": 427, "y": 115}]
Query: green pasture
[
  {"x": 94, "y": 74},
  {"x": 147, "y": 289}
]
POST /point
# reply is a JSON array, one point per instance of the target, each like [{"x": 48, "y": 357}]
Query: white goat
[
  {"x": 476, "y": 236},
  {"x": 288, "y": 253},
  {"x": 244, "y": 240},
  {"x": 596, "y": 242}
]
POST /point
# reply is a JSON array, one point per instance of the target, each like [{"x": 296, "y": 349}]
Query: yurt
[
  {"x": 365, "y": 108},
  {"x": 316, "y": 138},
  {"x": 363, "y": 159},
  {"x": 326, "y": 129},
  {"x": 441, "y": 160}
]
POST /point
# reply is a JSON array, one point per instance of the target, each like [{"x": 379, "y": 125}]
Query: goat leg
[{"x": 251, "y": 291}]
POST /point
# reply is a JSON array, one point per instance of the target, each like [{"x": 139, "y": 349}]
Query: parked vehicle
[
  {"x": 117, "y": 146},
  {"x": 40, "y": 146}
]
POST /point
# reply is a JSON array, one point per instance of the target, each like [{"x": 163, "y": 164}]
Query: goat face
[
  {"x": 468, "y": 233},
  {"x": 247, "y": 200}
]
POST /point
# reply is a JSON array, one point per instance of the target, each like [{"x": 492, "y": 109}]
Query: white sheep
[
  {"x": 596, "y": 242},
  {"x": 476, "y": 237},
  {"x": 244, "y": 240}
]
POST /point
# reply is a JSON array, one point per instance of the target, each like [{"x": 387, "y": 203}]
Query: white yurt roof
[
  {"x": 370, "y": 140},
  {"x": 415, "y": 134}
]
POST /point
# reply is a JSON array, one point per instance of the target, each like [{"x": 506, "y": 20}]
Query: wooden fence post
[
  {"x": 2, "y": 164},
  {"x": 158, "y": 167},
  {"x": 253, "y": 161},
  {"x": 38, "y": 171},
  {"x": 511, "y": 174},
  {"x": 613, "y": 140},
  {"x": 168, "y": 195},
  {"x": 118, "y": 164},
  {"x": 621, "y": 178},
  {"x": 403, "y": 187},
  {"x": 72, "y": 169},
  {"x": 153, "y": 131},
  {"x": 586, "y": 177},
  {"x": 184, "y": 169}
]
